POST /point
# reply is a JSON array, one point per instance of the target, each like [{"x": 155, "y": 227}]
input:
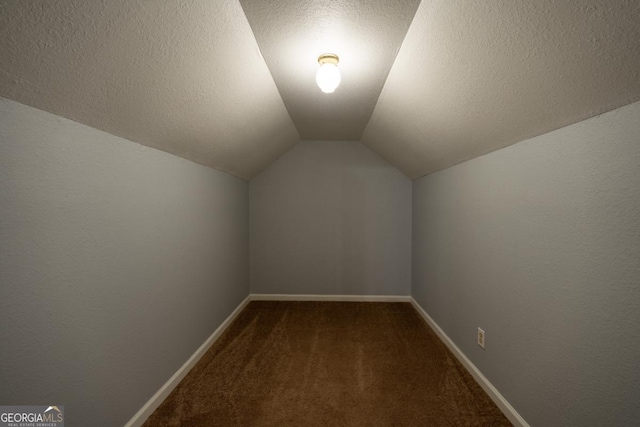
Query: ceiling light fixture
[{"x": 328, "y": 75}]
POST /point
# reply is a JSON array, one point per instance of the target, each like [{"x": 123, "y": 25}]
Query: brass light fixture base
[{"x": 328, "y": 58}]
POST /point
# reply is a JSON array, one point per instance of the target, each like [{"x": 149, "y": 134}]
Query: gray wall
[
  {"x": 117, "y": 261},
  {"x": 330, "y": 217},
  {"x": 539, "y": 244}
]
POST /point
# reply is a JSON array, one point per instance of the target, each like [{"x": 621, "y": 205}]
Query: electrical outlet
[{"x": 481, "y": 337}]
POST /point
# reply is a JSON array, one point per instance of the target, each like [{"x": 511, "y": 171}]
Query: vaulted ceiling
[
  {"x": 366, "y": 35},
  {"x": 231, "y": 85}
]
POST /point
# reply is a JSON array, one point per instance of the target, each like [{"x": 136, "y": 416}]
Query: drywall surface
[
  {"x": 474, "y": 77},
  {"x": 330, "y": 218},
  {"x": 117, "y": 261},
  {"x": 539, "y": 245},
  {"x": 182, "y": 76}
]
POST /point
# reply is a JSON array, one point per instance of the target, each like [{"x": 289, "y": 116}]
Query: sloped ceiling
[
  {"x": 188, "y": 77},
  {"x": 473, "y": 77},
  {"x": 185, "y": 77},
  {"x": 366, "y": 35}
]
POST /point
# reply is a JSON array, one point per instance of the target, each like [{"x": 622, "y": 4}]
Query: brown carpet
[{"x": 328, "y": 364}]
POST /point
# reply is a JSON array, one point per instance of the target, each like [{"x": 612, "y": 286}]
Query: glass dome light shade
[{"x": 328, "y": 75}]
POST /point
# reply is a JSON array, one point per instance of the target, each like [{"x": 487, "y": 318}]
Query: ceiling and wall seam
[
  {"x": 185, "y": 78},
  {"x": 425, "y": 85},
  {"x": 472, "y": 78}
]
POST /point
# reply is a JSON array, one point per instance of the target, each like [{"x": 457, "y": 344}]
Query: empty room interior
[{"x": 320, "y": 213}]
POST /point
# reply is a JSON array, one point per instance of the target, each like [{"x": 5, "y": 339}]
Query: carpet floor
[{"x": 328, "y": 364}]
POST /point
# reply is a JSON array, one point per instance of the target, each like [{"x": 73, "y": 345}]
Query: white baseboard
[
  {"x": 493, "y": 393},
  {"x": 359, "y": 298},
  {"x": 141, "y": 416}
]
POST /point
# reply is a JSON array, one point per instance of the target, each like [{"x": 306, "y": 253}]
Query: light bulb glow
[{"x": 328, "y": 75}]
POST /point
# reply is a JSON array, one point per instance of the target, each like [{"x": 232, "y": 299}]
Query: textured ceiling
[
  {"x": 185, "y": 77},
  {"x": 473, "y": 77},
  {"x": 366, "y": 35}
]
